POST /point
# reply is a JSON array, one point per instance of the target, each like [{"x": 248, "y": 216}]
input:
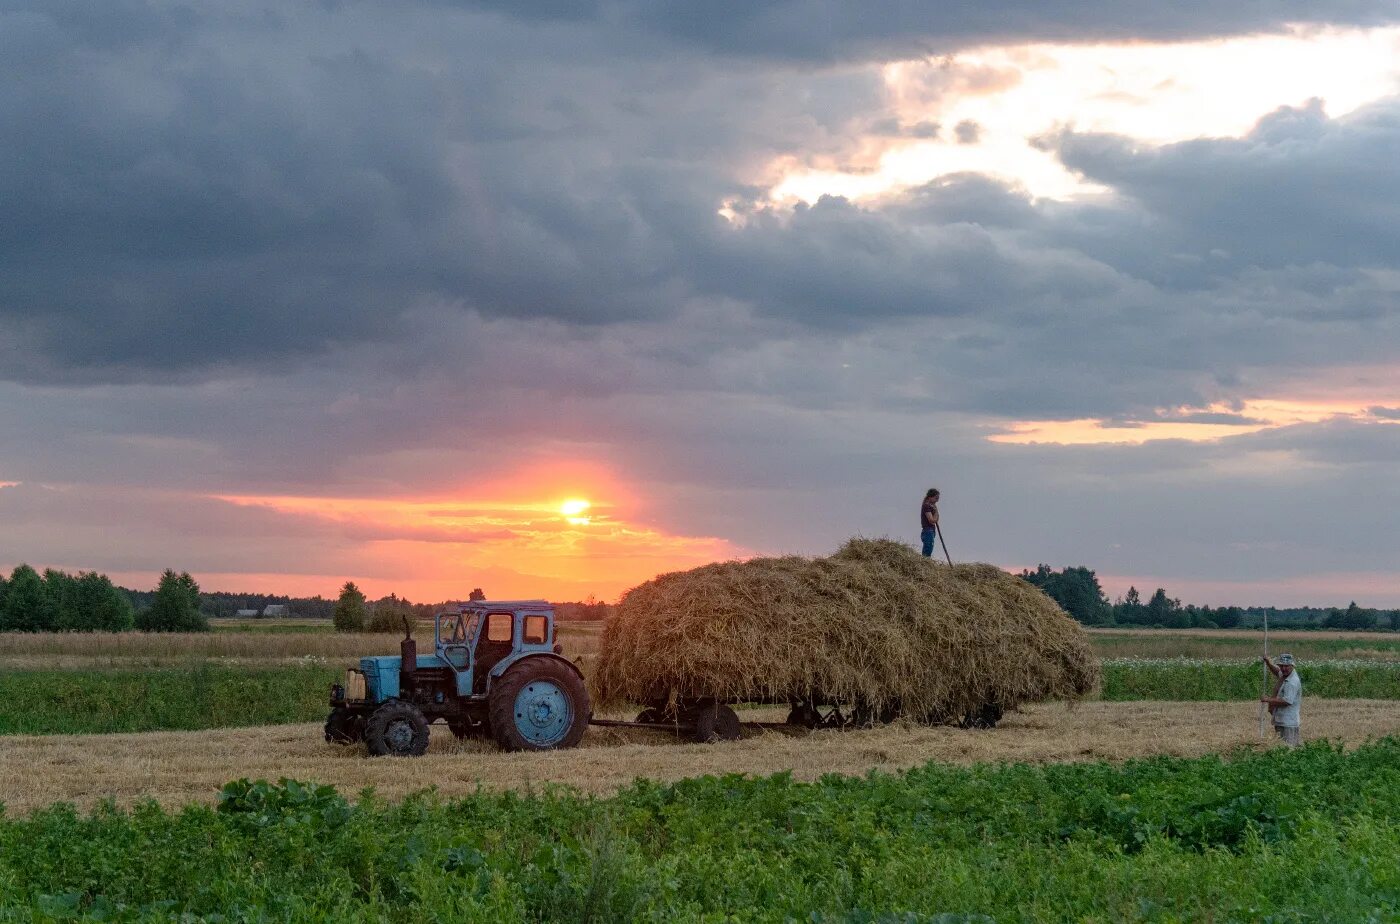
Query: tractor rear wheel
[
  {"x": 538, "y": 705},
  {"x": 397, "y": 728},
  {"x": 716, "y": 722},
  {"x": 344, "y": 726}
]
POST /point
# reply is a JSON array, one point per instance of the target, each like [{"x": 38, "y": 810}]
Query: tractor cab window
[
  {"x": 536, "y": 630},
  {"x": 457, "y": 628},
  {"x": 498, "y": 627}
]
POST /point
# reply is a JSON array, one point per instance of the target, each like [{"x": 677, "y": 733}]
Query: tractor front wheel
[
  {"x": 398, "y": 729},
  {"x": 538, "y": 705},
  {"x": 344, "y": 726}
]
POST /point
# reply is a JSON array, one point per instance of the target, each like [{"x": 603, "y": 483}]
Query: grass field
[
  {"x": 180, "y": 767},
  {"x": 213, "y": 695},
  {"x": 200, "y": 696},
  {"x": 275, "y": 642},
  {"x": 270, "y": 645},
  {"x": 149, "y": 683},
  {"x": 1195, "y": 679},
  {"x": 1281, "y": 836},
  {"x": 1243, "y": 643}
]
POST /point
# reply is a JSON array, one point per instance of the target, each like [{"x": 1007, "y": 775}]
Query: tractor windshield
[{"x": 457, "y": 628}]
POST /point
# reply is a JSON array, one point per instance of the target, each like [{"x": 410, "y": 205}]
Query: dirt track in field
[{"x": 180, "y": 767}]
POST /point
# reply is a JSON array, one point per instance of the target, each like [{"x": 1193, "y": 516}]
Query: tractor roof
[{"x": 507, "y": 605}]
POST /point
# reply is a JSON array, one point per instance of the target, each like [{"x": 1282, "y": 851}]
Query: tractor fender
[{"x": 507, "y": 663}]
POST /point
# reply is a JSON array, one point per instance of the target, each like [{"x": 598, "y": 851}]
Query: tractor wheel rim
[
  {"x": 399, "y": 735},
  {"x": 543, "y": 712}
]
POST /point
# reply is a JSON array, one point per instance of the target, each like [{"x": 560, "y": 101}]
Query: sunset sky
[{"x": 548, "y": 298}]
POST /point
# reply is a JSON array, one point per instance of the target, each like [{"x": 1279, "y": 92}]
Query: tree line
[
  {"x": 57, "y": 601},
  {"x": 1077, "y": 591}
]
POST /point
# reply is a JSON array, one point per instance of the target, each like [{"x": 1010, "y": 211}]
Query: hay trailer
[{"x": 496, "y": 671}]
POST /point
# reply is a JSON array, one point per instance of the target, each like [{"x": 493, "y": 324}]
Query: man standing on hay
[
  {"x": 928, "y": 521},
  {"x": 1285, "y": 704}
]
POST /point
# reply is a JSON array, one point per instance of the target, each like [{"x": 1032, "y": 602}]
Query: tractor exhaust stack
[{"x": 408, "y": 654}]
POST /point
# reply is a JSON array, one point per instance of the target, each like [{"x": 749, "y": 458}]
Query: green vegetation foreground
[{"x": 1309, "y": 834}]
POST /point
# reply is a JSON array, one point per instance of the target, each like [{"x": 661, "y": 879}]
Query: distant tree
[
  {"x": 175, "y": 608},
  {"x": 1130, "y": 610},
  {"x": 350, "y": 612},
  {"x": 28, "y": 607},
  {"x": 388, "y": 614},
  {"x": 1076, "y": 590},
  {"x": 1358, "y": 618},
  {"x": 98, "y": 606},
  {"x": 1335, "y": 619},
  {"x": 1164, "y": 611},
  {"x": 1228, "y": 617},
  {"x": 62, "y": 593},
  {"x": 476, "y": 594}
]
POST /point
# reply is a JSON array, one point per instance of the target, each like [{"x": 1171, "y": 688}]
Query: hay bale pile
[{"x": 876, "y": 621}]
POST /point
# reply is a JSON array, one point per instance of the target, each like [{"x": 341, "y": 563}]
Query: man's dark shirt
[{"x": 927, "y": 513}]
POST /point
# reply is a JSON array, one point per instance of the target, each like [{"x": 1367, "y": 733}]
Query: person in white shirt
[{"x": 1285, "y": 704}]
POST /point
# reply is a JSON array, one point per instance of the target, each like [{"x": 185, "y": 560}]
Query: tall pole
[
  {"x": 1264, "y": 707},
  {"x": 945, "y": 546}
]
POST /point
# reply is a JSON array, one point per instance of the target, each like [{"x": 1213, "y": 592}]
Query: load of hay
[{"x": 876, "y": 623}]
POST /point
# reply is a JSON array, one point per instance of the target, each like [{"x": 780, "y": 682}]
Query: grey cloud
[
  {"x": 1385, "y": 413},
  {"x": 830, "y": 29},
  {"x": 968, "y": 132},
  {"x": 1300, "y": 189}
]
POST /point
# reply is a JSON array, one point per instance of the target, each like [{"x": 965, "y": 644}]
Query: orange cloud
[
  {"x": 1184, "y": 423},
  {"x": 516, "y": 541}
]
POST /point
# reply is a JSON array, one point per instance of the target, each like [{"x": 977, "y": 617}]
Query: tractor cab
[
  {"x": 482, "y": 639},
  {"x": 484, "y": 653}
]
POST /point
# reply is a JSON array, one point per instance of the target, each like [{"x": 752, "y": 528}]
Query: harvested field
[
  {"x": 875, "y": 623},
  {"x": 178, "y": 767}
]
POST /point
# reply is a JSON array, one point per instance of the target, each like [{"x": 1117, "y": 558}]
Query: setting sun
[{"x": 574, "y": 508}]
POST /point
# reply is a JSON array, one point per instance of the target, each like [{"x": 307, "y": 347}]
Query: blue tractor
[{"x": 495, "y": 671}]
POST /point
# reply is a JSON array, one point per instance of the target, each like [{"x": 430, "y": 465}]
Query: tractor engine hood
[{"x": 382, "y": 674}]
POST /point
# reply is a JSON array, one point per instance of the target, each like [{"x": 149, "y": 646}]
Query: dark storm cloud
[
  {"x": 232, "y": 188},
  {"x": 834, "y": 29}
]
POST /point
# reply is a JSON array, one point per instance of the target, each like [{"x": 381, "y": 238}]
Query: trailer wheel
[
  {"x": 716, "y": 722},
  {"x": 804, "y": 714},
  {"x": 397, "y": 728},
  {"x": 985, "y": 716},
  {"x": 540, "y": 704},
  {"x": 344, "y": 726}
]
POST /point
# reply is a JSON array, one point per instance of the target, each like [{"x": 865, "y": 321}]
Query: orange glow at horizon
[
  {"x": 436, "y": 548},
  {"x": 1255, "y": 416}
]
